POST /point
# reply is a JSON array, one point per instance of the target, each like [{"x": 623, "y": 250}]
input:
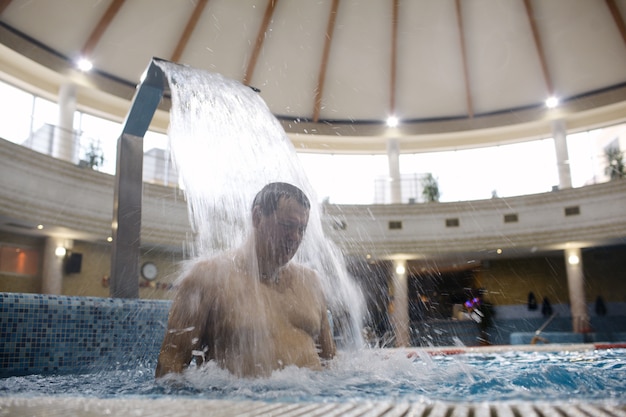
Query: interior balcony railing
[{"x": 88, "y": 152}]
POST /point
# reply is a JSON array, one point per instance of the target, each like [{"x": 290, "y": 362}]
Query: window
[
  {"x": 19, "y": 104},
  {"x": 102, "y": 134},
  {"x": 452, "y": 223},
  {"x": 43, "y": 129},
  {"x": 395, "y": 225},
  {"x": 510, "y": 218}
]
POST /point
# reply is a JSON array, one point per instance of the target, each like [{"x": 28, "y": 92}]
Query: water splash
[
  {"x": 366, "y": 375},
  {"x": 226, "y": 146}
]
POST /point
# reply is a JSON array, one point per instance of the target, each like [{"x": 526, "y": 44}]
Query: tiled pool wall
[{"x": 43, "y": 334}]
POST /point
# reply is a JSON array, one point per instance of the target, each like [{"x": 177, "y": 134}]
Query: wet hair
[{"x": 269, "y": 196}]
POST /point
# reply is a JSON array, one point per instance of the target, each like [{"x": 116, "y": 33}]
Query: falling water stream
[{"x": 226, "y": 146}]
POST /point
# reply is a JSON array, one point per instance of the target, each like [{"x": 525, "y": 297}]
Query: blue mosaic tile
[{"x": 58, "y": 334}]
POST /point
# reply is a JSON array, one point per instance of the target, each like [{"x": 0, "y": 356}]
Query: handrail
[{"x": 536, "y": 338}]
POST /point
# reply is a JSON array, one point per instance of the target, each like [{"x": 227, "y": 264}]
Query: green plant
[
  {"x": 94, "y": 155},
  {"x": 430, "y": 188},
  {"x": 615, "y": 163}
]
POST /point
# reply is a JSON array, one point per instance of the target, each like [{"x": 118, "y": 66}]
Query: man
[{"x": 251, "y": 309}]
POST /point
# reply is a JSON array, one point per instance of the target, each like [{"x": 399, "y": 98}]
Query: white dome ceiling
[{"x": 338, "y": 68}]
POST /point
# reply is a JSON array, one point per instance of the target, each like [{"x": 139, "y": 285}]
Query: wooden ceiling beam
[
  {"x": 468, "y": 90},
  {"x": 101, "y": 27},
  {"x": 4, "y": 4},
  {"x": 321, "y": 78},
  {"x": 267, "y": 18},
  {"x": 189, "y": 28},
  {"x": 394, "y": 59},
  {"x": 538, "y": 45},
  {"x": 617, "y": 17}
]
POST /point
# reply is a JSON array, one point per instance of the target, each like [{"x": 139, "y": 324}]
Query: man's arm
[
  {"x": 325, "y": 343},
  {"x": 325, "y": 340},
  {"x": 183, "y": 333}
]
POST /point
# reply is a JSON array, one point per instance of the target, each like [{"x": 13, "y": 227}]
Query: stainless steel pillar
[{"x": 129, "y": 184}]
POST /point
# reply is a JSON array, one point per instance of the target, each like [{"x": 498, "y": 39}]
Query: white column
[
  {"x": 400, "y": 313},
  {"x": 52, "y": 274},
  {"x": 562, "y": 156},
  {"x": 393, "y": 156},
  {"x": 65, "y": 145},
  {"x": 576, "y": 286}
]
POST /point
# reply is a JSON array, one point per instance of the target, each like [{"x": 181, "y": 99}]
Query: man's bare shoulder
[
  {"x": 195, "y": 272},
  {"x": 305, "y": 276},
  {"x": 298, "y": 269},
  {"x": 207, "y": 271}
]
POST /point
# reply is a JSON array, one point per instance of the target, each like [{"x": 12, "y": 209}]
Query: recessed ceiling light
[
  {"x": 392, "y": 121},
  {"x": 552, "y": 102},
  {"x": 84, "y": 64}
]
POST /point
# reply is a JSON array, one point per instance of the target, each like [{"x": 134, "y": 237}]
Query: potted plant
[
  {"x": 430, "y": 188},
  {"x": 94, "y": 157},
  {"x": 615, "y": 163}
]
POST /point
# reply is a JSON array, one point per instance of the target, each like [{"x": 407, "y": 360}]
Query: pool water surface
[{"x": 366, "y": 375}]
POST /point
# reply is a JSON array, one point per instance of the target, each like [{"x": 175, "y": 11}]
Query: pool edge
[
  {"x": 96, "y": 407},
  {"x": 549, "y": 347}
]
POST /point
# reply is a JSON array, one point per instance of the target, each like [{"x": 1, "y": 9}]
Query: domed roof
[{"x": 455, "y": 73}]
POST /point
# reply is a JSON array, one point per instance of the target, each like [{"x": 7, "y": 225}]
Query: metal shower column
[{"x": 126, "y": 226}]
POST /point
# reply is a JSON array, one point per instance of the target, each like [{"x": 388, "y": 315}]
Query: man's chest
[{"x": 296, "y": 308}]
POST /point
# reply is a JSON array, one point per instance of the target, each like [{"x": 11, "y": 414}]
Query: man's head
[
  {"x": 267, "y": 198},
  {"x": 280, "y": 213}
]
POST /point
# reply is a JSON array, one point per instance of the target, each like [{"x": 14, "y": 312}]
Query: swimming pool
[
  {"x": 371, "y": 375},
  {"x": 96, "y": 356}
]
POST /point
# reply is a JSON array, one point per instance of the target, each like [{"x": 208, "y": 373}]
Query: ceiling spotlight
[
  {"x": 552, "y": 102},
  {"x": 392, "y": 121},
  {"x": 84, "y": 64}
]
